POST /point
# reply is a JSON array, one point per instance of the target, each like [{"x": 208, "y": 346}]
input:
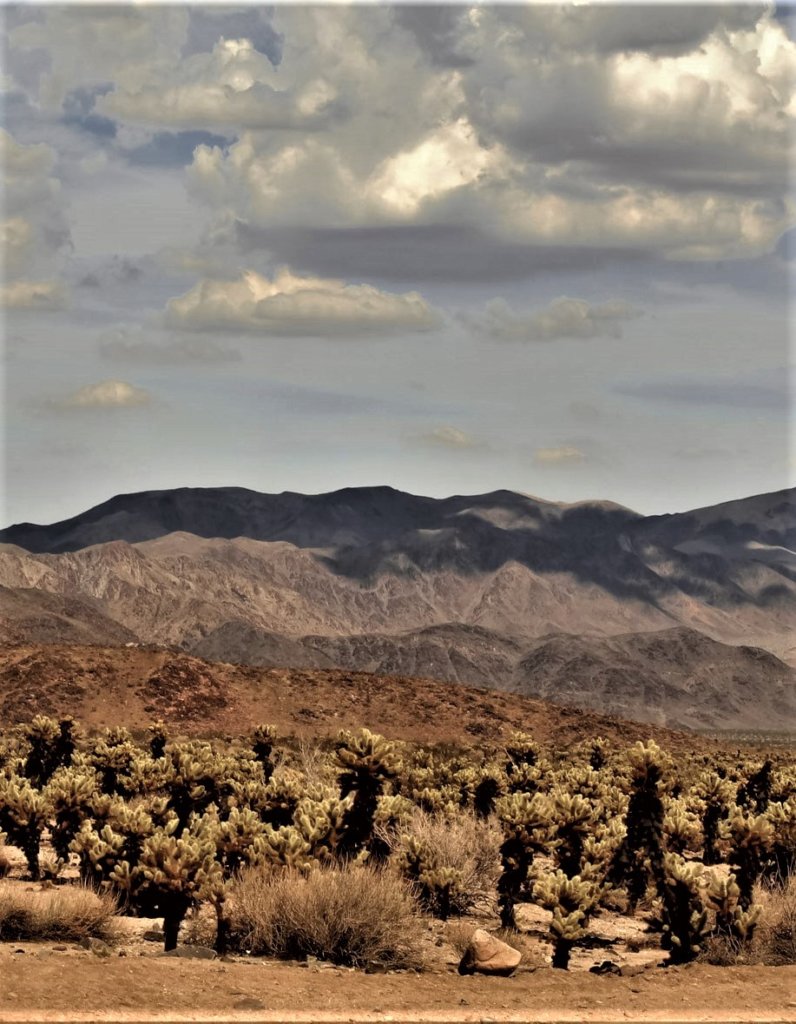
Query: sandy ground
[{"x": 41, "y": 984}]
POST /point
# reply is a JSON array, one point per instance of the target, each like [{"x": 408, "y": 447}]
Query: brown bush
[
  {"x": 352, "y": 916},
  {"x": 467, "y": 844},
  {"x": 65, "y": 914}
]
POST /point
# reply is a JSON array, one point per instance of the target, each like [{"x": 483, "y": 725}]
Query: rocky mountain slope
[
  {"x": 500, "y": 590},
  {"x": 132, "y": 685}
]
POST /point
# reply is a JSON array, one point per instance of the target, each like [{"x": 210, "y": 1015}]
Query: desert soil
[{"x": 44, "y": 985}]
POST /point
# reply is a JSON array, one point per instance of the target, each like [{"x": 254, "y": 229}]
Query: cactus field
[{"x": 595, "y": 856}]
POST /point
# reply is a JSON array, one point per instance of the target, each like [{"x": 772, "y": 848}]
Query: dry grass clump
[
  {"x": 351, "y": 916},
  {"x": 774, "y": 940},
  {"x": 64, "y": 914},
  {"x": 467, "y": 844}
]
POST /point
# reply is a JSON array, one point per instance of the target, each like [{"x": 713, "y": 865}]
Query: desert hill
[
  {"x": 131, "y": 686},
  {"x": 676, "y": 677},
  {"x": 499, "y": 590}
]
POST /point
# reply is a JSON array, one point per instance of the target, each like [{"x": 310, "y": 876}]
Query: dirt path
[{"x": 45, "y": 986}]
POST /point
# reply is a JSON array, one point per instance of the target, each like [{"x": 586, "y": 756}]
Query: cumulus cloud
[
  {"x": 45, "y": 295},
  {"x": 542, "y": 128},
  {"x": 106, "y": 394},
  {"x": 301, "y": 306},
  {"x": 451, "y": 438},
  {"x": 233, "y": 86},
  {"x": 563, "y": 318},
  {"x": 564, "y": 455}
]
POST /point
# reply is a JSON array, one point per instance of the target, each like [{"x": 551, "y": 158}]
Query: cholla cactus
[
  {"x": 113, "y": 757},
  {"x": 191, "y": 780},
  {"x": 685, "y": 920},
  {"x": 573, "y": 821},
  {"x": 732, "y": 921},
  {"x": 782, "y": 857},
  {"x": 715, "y": 794},
  {"x": 526, "y": 822},
  {"x": 171, "y": 876},
  {"x": 680, "y": 828},
  {"x": 367, "y": 761},
  {"x": 752, "y": 841},
  {"x": 572, "y": 901},
  {"x": 158, "y": 738},
  {"x": 439, "y": 887},
  {"x": 286, "y": 847},
  {"x": 23, "y": 817},
  {"x": 755, "y": 794},
  {"x": 263, "y": 739},
  {"x": 99, "y": 851},
  {"x": 640, "y": 857},
  {"x": 322, "y": 823},
  {"x": 43, "y": 758},
  {"x": 69, "y": 794},
  {"x": 488, "y": 788}
]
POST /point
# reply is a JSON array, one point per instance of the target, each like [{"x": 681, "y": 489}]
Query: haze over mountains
[{"x": 656, "y": 618}]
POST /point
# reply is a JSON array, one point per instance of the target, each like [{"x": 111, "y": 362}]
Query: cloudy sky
[{"x": 450, "y": 249}]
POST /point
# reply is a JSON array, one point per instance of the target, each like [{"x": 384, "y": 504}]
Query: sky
[{"x": 450, "y": 249}]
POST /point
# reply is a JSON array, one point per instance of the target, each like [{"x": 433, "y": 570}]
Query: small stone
[
  {"x": 96, "y": 946},
  {"x": 606, "y": 967},
  {"x": 487, "y": 954},
  {"x": 153, "y": 935},
  {"x": 192, "y": 953},
  {"x": 60, "y": 948}
]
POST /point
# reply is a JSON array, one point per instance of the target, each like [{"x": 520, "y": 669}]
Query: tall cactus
[
  {"x": 526, "y": 824},
  {"x": 572, "y": 901},
  {"x": 685, "y": 919},
  {"x": 367, "y": 761}
]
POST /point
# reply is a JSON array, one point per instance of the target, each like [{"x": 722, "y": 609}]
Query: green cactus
[
  {"x": 685, "y": 919},
  {"x": 732, "y": 921},
  {"x": 639, "y": 859},
  {"x": 43, "y": 757},
  {"x": 526, "y": 822},
  {"x": 367, "y": 762},
  {"x": 715, "y": 795},
  {"x": 69, "y": 795},
  {"x": 752, "y": 842},
  {"x": 158, "y": 738},
  {"x": 263, "y": 739},
  {"x": 23, "y": 818},
  {"x": 573, "y": 822},
  {"x": 572, "y": 901}
]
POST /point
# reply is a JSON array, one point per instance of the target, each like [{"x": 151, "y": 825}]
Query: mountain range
[{"x": 684, "y": 620}]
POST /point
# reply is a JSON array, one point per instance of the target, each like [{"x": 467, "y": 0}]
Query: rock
[
  {"x": 192, "y": 953},
  {"x": 153, "y": 935},
  {"x": 249, "y": 1003},
  {"x": 486, "y": 954},
  {"x": 606, "y": 967},
  {"x": 60, "y": 948},
  {"x": 96, "y": 946}
]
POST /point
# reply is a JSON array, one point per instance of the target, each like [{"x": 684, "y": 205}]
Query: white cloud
[
  {"x": 565, "y": 455},
  {"x": 302, "y": 306},
  {"x": 33, "y": 295},
  {"x": 107, "y": 394},
  {"x": 234, "y": 86},
  {"x": 451, "y": 438},
  {"x": 563, "y": 318}
]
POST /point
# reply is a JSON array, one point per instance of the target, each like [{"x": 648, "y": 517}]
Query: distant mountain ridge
[{"x": 468, "y": 588}]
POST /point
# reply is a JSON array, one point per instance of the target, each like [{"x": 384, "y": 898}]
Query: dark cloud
[
  {"x": 78, "y": 111},
  {"x": 437, "y": 32},
  {"x": 208, "y": 24},
  {"x": 443, "y": 252},
  {"x": 173, "y": 149},
  {"x": 123, "y": 270}
]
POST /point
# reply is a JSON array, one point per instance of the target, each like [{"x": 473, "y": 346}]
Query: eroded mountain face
[{"x": 499, "y": 590}]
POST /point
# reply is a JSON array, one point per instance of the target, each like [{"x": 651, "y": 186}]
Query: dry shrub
[
  {"x": 65, "y": 914},
  {"x": 352, "y": 916},
  {"x": 774, "y": 941},
  {"x": 5, "y": 861},
  {"x": 465, "y": 843}
]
